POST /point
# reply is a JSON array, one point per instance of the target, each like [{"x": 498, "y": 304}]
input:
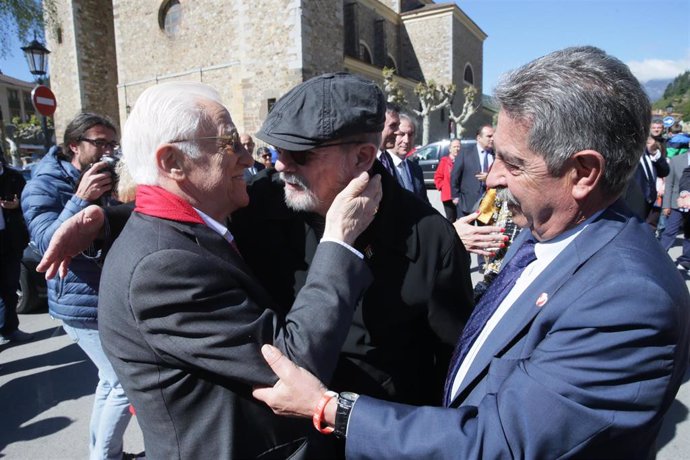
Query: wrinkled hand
[
  {"x": 353, "y": 209},
  {"x": 72, "y": 237},
  {"x": 296, "y": 393},
  {"x": 479, "y": 240},
  {"x": 94, "y": 183},
  {"x": 10, "y": 204}
]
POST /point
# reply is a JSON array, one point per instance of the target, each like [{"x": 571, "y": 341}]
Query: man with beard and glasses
[
  {"x": 401, "y": 338},
  {"x": 579, "y": 346}
]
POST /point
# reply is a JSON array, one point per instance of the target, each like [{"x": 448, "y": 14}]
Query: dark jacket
[
  {"x": 182, "y": 321},
  {"x": 47, "y": 201},
  {"x": 15, "y": 236},
  {"x": 404, "y": 329}
]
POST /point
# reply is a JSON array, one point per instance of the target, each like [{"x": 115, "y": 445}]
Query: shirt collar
[
  {"x": 216, "y": 226},
  {"x": 396, "y": 159},
  {"x": 551, "y": 248}
]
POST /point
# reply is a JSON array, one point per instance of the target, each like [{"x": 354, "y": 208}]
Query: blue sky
[{"x": 652, "y": 37}]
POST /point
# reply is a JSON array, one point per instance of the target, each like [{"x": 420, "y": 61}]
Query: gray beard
[{"x": 304, "y": 200}]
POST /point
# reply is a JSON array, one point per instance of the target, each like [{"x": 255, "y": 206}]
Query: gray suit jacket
[
  {"x": 672, "y": 189},
  {"x": 583, "y": 365},
  {"x": 182, "y": 320}
]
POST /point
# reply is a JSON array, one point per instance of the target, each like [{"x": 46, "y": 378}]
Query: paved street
[{"x": 47, "y": 385}]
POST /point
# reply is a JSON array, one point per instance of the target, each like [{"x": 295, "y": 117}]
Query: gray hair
[
  {"x": 162, "y": 114},
  {"x": 410, "y": 120},
  {"x": 577, "y": 99}
]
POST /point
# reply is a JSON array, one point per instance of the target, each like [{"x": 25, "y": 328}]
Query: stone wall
[
  {"x": 247, "y": 50},
  {"x": 83, "y": 64},
  {"x": 251, "y": 52}
]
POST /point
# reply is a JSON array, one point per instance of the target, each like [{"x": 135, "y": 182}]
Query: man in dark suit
[
  {"x": 676, "y": 217},
  {"x": 469, "y": 171},
  {"x": 13, "y": 239},
  {"x": 252, "y": 170},
  {"x": 409, "y": 173},
  {"x": 641, "y": 193},
  {"x": 390, "y": 127},
  {"x": 182, "y": 317},
  {"x": 579, "y": 346}
]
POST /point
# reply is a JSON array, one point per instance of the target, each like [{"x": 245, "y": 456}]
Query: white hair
[{"x": 165, "y": 113}]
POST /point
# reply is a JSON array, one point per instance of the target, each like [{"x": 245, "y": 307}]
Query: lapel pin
[{"x": 543, "y": 298}]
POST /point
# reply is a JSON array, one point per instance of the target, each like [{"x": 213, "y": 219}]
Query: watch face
[{"x": 348, "y": 395}]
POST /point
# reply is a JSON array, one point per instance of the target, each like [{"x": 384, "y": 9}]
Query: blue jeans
[
  {"x": 676, "y": 222},
  {"x": 110, "y": 414}
]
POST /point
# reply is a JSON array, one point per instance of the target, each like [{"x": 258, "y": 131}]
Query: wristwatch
[{"x": 346, "y": 400}]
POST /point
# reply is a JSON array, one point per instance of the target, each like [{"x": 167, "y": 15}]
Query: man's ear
[
  {"x": 587, "y": 172},
  {"x": 72, "y": 148},
  {"x": 366, "y": 154},
  {"x": 170, "y": 162}
]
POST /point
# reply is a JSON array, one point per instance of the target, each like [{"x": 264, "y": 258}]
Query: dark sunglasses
[{"x": 302, "y": 157}]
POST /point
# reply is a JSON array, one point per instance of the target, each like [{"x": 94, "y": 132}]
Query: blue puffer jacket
[{"x": 47, "y": 201}]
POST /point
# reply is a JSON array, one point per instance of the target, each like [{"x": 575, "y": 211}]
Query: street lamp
[
  {"x": 669, "y": 109},
  {"x": 37, "y": 57}
]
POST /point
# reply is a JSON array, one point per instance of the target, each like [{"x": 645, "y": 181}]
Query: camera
[{"x": 110, "y": 168}]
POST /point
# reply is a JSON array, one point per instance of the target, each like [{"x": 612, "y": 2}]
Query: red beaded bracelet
[{"x": 317, "y": 418}]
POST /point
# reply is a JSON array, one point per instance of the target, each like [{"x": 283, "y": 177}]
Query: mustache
[
  {"x": 294, "y": 179},
  {"x": 503, "y": 194}
]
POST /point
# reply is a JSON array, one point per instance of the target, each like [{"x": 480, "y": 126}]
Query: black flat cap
[{"x": 323, "y": 109}]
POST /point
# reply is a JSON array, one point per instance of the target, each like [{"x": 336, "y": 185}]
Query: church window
[{"x": 169, "y": 17}]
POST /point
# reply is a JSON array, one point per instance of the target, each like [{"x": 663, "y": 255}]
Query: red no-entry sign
[{"x": 44, "y": 100}]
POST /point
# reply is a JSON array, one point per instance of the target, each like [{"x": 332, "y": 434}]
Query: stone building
[{"x": 104, "y": 53}]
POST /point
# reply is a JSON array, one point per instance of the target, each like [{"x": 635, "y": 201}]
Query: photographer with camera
[{"x": 68, "y": 179}]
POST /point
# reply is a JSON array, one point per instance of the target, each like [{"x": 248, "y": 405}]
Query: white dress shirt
[{"x": 546, "y": 252}]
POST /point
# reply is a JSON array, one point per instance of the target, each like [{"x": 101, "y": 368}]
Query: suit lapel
[
  {"x": 218, "y": 246},
  {"x": 523, "y": 311}
]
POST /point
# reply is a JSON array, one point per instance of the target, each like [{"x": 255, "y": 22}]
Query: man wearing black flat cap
[{"x": 327, "y": 130}]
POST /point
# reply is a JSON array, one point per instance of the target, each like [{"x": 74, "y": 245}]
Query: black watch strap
[{"x": 345, "y": 402}]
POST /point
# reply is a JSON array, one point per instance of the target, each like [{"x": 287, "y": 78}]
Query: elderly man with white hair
[{"x": 182, "y": 318}]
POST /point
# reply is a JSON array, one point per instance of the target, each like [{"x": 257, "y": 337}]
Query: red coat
[{"x": 442, "y": 177}]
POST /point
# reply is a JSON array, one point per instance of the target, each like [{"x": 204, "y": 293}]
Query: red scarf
[{"x": 157, "y": 202}]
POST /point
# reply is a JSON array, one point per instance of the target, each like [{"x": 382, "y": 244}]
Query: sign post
[
  {"x": 45, "y": 103},
  {"x": 668, "y": 121}
]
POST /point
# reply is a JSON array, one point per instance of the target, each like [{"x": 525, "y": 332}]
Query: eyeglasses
[
  {"x": 100, "y": 143},
  {"x": 302, "y": 157},
  {"x": 231, "y": 141}
]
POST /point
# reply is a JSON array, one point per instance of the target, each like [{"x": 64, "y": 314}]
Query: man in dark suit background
[
  {"x": 409, "y": 173},
  {"x": 181, "y": 315},
  {"x": 642, "y": 193},
  {"x": 13, "y": 239},
  {"x": 248, "y": 144},
  {"x": 579, "y": 346},
  {"x": 390, "y": 127},
  {"x": 676, "y": 217},
  {"x": 469, "y": 171}
]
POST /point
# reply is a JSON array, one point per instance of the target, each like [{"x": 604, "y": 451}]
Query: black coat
[
  {"x": 15, "y": 237},
  {"x": 405, "y": 327}
]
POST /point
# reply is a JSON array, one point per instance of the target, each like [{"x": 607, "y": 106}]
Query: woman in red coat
[{"x": 442, "y": 179}]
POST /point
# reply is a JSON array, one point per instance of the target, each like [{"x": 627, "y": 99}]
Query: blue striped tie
[{"x": 492, "y": 298}]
